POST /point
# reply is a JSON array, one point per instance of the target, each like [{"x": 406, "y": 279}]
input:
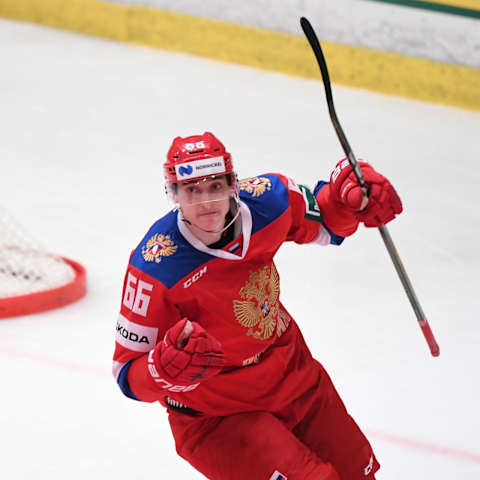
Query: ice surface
[{"x": 85, "y": 124}]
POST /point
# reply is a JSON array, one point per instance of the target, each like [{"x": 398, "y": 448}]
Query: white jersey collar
[{"x": 246, "y": 224}]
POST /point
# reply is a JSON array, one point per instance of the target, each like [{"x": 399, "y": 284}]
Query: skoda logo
[{"x": 185, "y": 170}]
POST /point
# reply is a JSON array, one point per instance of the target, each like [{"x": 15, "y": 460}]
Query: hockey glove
[
  {"x": 188, "y": 354},
  {"x": 383, "y": 202},
  {"x": 343, "y": 205}
]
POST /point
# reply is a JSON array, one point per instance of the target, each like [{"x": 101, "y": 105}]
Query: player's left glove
[
  {"x": 383, "y": 202},
  {"x": 343, "y": 206}
]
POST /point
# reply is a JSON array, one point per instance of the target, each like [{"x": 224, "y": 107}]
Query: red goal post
[{"x": 32, "y": 280}]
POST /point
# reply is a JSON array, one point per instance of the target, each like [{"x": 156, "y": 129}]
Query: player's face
[{"x": 205, "y": 202}]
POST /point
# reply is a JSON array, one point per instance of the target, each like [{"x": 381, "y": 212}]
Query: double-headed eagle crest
[
  {"x": 258, "y": 309},
  {"x": 157, "y": 247},
  {"x": 256, "y": 186}
]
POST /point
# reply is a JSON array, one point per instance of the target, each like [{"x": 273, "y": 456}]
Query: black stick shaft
[{"x": 317, "y": 50}]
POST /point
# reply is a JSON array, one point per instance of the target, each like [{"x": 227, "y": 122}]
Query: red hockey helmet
[{"x": 196, "y": 157}]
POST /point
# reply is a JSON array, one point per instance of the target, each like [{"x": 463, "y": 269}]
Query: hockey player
[{"x": 202, "y": 329}]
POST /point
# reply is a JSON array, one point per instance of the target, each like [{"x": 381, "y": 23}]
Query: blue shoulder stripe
[
  {"x": 267, "y": 198},
  {"x": 165, "y": 255}
]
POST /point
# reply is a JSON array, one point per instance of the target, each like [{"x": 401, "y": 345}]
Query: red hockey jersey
[{"x": 233, "y": 293}]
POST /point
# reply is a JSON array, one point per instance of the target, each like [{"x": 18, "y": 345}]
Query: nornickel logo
[
  {"x": 209, "y": 165},
  {"x": 185, "y": 170}
]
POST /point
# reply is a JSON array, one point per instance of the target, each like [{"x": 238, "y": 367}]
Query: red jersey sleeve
[
  {"x": 307, "y": 224},
  {"x": 146, "y": 313}
]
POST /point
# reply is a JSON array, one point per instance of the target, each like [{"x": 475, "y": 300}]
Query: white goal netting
[{"x": 28, "y": 272}]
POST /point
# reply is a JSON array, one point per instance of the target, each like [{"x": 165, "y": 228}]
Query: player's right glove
[{"x": 188, "y": 353}]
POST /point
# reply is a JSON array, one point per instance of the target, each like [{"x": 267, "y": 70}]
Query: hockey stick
[{"x": 422, "y": 320}]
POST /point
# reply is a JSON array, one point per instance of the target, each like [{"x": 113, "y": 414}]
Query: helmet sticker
[{"x": 200, "y": 168}]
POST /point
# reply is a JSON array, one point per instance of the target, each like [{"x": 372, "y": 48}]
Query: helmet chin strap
[{"x": 235, "y": 198}]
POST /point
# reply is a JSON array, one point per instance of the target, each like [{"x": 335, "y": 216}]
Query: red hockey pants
[{"x": 265, "y": 446}]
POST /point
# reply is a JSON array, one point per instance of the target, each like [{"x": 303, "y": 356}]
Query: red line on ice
[
  {"x": 55, "y": 362},
  {"x": 387, "y": 437},
  {"x": 426, "y": 447}
]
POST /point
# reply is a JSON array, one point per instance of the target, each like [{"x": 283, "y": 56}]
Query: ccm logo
[{"x": 195, "y": 277}]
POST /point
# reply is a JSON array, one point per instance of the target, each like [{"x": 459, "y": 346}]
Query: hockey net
[{"x": 32, "y": 280}]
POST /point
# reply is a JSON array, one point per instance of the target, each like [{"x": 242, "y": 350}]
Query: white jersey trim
[
  {"x": 134, "y": 336},
  {"x": 323, "y": 237},
  {"x": 246, "y": 222},
  {"x": 276, "y": 475},
  {"x": 117, "y": 368}
]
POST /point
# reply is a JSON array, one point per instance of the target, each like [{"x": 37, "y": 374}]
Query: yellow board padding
[
  {"x": 351, "y": 66},
  {"x": 471, "y": 4},
  {"x": 85, "y": 16}
]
